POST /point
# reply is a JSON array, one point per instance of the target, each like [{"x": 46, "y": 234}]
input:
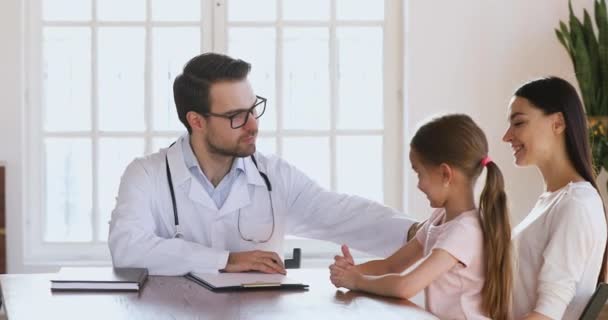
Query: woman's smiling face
[{"x": 530, "y": 133}]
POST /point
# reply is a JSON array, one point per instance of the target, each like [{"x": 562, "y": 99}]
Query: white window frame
[
  {"x": 214, "y": 28},
  {"x": 393, "y": 182}
]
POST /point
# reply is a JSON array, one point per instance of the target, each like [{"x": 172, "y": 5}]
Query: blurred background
[{"x": 86, "y": 86}]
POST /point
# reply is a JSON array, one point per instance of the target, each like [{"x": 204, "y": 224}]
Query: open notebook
[
  {"x": 220, "y": 282},
  {"x": 99, "y": 279}
]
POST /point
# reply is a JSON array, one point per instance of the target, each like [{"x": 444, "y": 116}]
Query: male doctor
[{"x": 210, "y": 201}]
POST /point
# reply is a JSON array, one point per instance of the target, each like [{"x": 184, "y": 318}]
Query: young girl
[
  {"x": 562, "y": 242},
  {"x": 465, "y": 251}
]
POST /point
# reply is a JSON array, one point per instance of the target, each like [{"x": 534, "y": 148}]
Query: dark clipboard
[{"x": 255, "y": 286}]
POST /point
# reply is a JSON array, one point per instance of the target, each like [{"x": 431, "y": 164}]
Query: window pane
[
  {"x": 306, "y": 10},
  {"x": 359, "y": 10},
  {"x": 360, "y": 84},
  {"x": 121, "y": 79},
  {"x": 114, "y": 156},
  {"x": 306, "y": 78},
  {"x": 360, "y": 166},
  {"x": 161, "y": 143},
  {"x": 67, "y": 79},
  {"x": 167, "y": 10},
  {"x": 120, "y": 10},
  {"x": 66, "y": 10},
  {"x": 266, "y": 145},
  {"x": 247, "y": 10},
  {"x": 68, "y": 189},
  {"x": 172, "y": 49},
  {"x": 258, "y": 46},
  {"x": 311, "y": 155}
]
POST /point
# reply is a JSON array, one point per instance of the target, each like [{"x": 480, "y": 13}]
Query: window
[{"x": 100, "y": 92}]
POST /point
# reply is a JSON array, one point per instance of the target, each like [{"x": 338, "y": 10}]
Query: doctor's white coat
[{"x": 142, "y": 224}]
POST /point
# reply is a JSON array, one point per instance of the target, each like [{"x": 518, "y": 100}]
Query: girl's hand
[
  {"x": 341, "y": 263},
  {"x": 345, "y": 278},
  {"x": 344, "y": 261}
]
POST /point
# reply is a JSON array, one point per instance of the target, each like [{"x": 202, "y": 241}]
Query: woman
[{"x": 560, "y": 246}]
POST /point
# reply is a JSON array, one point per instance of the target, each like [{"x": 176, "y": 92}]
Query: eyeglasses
[{"x": 239, "y": 118}]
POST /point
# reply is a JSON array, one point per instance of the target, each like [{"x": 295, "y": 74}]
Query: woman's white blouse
[{"x": 559, "y": 248}]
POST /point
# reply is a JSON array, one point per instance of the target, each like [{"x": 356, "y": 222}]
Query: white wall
[
  {"x": 461, "y": 56},
  {"x": 470, "y": 56},
  {"x": 11, "y": 124}
]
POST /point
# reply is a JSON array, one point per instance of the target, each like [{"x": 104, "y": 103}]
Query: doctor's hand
[{"x": 257, "y": 260}]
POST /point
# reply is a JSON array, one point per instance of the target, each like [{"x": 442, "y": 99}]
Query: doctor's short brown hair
[{"x": 191, "y": 88}]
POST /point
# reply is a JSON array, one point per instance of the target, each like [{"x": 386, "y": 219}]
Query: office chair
[
  {"x": 295, "y": 261},
  {"x": 596, "y": 303}
]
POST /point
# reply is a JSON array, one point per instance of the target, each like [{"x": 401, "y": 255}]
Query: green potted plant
[{"x": 589, "y": 55}]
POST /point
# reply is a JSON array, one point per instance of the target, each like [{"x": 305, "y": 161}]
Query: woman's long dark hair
[{"x": 552, "y": 95}]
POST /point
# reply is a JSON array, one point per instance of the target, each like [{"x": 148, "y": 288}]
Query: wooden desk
[{"x": 29, "y": 297}]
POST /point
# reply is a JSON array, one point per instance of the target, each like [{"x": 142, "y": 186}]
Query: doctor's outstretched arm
[
  {"x": 365, "y": 225},
  {"x": 134, "y": 239}
]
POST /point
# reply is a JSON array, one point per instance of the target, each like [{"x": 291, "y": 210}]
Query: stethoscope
[{"x": 178, "y": 233}]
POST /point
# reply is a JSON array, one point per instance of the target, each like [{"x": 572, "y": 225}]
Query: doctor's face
[
  {"x": 430, "y": 181},
  {"x": 227, "y": 98}
]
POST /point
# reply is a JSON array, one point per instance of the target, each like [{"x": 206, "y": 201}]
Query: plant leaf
[
  {"x": 601, "y": 20},
  {"x": 561, "y": 39},
  {"x": 583, "y": 66},
  {"x": 593, "y": 52}
]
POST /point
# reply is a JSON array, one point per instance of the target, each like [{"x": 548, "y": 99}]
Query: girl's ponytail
[{"x": 494, "y": 220}]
